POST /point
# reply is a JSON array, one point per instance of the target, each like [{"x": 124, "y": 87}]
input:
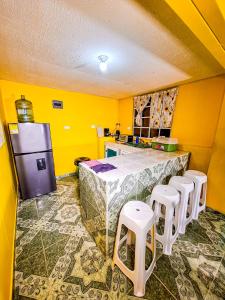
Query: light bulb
[
  {"x": 103, "y": 66},
  {"x": 103, "y": 62}
]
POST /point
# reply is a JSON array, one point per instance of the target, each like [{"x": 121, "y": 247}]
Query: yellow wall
[
  {"x": 195, "y": 119},
  {"x": 8, "y": 202},
  {"x": 101, "y": 145},
  {"x": 126, "y": 115},
  {"x": 80, "y": 112},
  {"x": 216, "y": 172}
]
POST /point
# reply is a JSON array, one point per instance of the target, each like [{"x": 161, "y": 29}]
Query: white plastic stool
[
  {"x": 169, "y": 197},
  {"x": 138, "y": 217},
  {"x": 200, "y": 182},
  {"x": 185, "y": 186}
]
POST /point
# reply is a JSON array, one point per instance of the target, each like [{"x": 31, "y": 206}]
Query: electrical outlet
[{"x": 66, "y": 127}]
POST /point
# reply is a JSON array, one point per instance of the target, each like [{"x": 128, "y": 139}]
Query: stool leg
[
  {"x": 178, "y": 215},
  {"x": 167, "y": 245},
  {"x": 117, "y": 243},
  {"x": 129, "y": 237},
  {"x": 191, "y": 207},
  {"x": 157, "y": 211},
  {"x": 183, "y": 213},
  {"x": 139, "y": 267},
  {"x": 157, "y": 208},
  {"x": 153, "y": 242},
  {"x": 203, "y": 198},
  {"x": 150, "y": 201},
  {"x": 152, "y": 247},
  {"x": 197, "y": 196}
]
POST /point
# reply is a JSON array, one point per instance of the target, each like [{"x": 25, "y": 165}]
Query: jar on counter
[{"x": 24, "y": 110}]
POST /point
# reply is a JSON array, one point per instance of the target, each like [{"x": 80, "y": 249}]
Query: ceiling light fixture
[{"x": 103, "y": 62}]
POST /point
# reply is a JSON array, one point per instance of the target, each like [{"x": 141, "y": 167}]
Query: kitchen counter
[
  {"x": 133, "y": 161},
  {"x": 102, "y": 195}
]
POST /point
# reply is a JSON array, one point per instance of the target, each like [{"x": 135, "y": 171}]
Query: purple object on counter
[
  {"x": 92, "y": 163},
  {"x": 103, "y": 168}
]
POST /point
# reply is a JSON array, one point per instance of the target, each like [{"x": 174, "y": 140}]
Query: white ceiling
[{"x": 55, "y": 43}]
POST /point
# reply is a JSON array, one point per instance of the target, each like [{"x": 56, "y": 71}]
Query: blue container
[{"x": 137, "y": 140}]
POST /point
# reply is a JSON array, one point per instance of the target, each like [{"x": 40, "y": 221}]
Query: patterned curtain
[
  {"x": 161, "y": 108},
  {"x": 155, "y": 110},
  {"x": 140, "y": 103},
  {"x": 168, "y": 106}
]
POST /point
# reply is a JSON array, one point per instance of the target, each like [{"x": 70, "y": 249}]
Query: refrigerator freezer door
[
  {"x": 36, "y": 174},
  {"x": 31, "y": 137}
]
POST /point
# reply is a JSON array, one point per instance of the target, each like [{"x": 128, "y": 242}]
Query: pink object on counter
[{"x": 92, "y": 163}]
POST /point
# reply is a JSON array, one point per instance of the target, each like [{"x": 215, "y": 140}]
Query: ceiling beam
[
  {"x": 213, "y": 16},
  {"x": 195, "y": 20}
]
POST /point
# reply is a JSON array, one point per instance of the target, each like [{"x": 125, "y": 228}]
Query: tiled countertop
[{"x": 135, "y": 161}]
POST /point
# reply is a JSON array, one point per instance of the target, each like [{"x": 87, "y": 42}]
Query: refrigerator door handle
[{"x": 41, "y": 164}]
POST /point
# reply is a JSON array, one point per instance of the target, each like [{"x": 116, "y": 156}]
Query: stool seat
[
  {"x": 183, "y": 182},
  {"x": 138, "y": 218},
  {"x": 196, "y": 175},
  {"x": 166, "y": 194},
  {"x": 138, "y": 213}
]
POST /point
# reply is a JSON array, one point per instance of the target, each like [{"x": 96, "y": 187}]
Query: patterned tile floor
[{"x": 57, "y": 259}]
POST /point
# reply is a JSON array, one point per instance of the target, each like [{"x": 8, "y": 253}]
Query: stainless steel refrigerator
[{"x": 32, "y": 150}]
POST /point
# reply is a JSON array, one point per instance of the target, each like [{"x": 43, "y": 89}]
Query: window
[{"x": 155, "y": 114}]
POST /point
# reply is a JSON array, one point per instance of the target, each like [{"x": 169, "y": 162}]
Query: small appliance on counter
[
  {"x": 130, "y": 139},
  {"x": 32, "y": 151},
  {"x": 124, "y": 138},
  {"x": 106, "y": 132},
  {"x": 165, "y": 144},
  {"x": 117, "y": 135}
]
